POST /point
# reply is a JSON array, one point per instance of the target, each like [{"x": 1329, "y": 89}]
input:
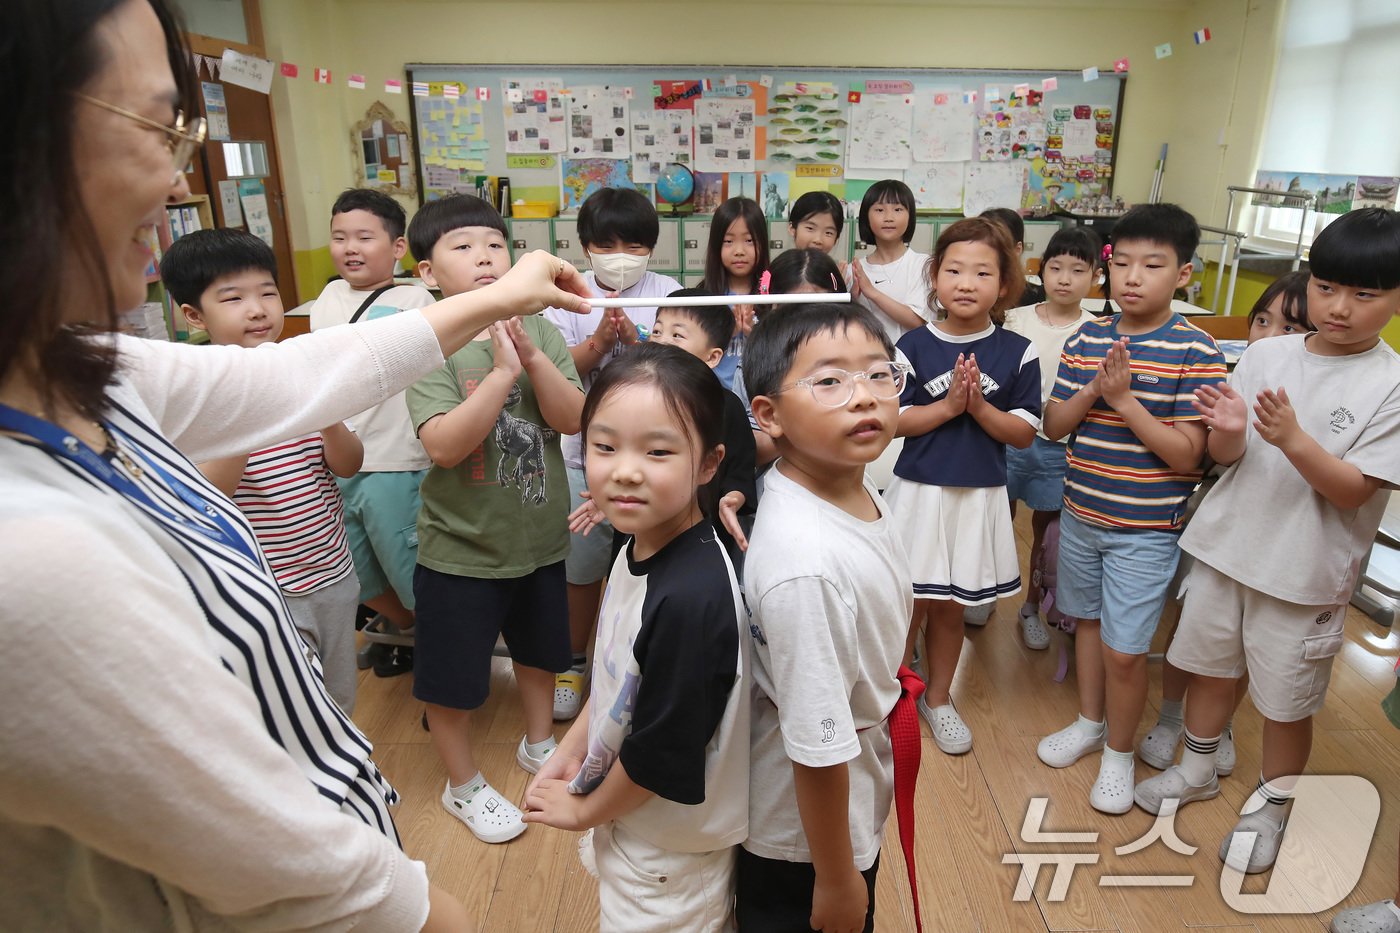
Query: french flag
[{"x": 1202, "y": 35}]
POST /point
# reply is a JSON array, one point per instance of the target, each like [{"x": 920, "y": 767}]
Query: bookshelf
[{"x": 159, "y": 313}]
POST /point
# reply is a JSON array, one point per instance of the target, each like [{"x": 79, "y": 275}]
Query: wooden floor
[{"x": 970, "y": 808}]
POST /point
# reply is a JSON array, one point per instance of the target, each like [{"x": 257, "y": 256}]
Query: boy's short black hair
[
  {"x": 1080, "y": 243},
  {"x": 618, "y": 215},
  {"x": 200, "y": 258},
  {"x": 773, "y": 343},
  {"x": 389, "y": 211},
  {"x": 1360, "y": 249},
  {"x": 889, "y": 191},
  {"x": 814, "y": 203},
  {"x": 437, "y": 218},
  {"x": 1011, "y": 220},
  {"x": 716, "y": 321},
  {"x": 1167, "y": 224},
  {"x": 1294, "y": 288}
]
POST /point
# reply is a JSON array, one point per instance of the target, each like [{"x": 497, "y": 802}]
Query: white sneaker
[
  {"x": 568, "y": 694},
  {"x": 1153, "y": 793},
  {"x": 1379, "y": 917},
  {"x": 950, "y": 733},
  {"x": 1225, "y": 754},
  {"x": 489, "y": 816},
  {"x": 1033, "y": 630},
  {"x": 1236, "y": 851},
  {"x": 533, "y": 763},
  {"x": 1158, "y": 747},
  {"x": 1062, "y": 749},
  {"x": 1113, "y": 789},
  {"x": 977, "y": 616}
]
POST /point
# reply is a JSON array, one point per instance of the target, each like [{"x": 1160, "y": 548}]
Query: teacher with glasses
[{"x": 169, "y": 757}]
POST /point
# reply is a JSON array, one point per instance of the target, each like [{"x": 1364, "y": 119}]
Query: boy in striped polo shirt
[
  {"x": 225, "y": 281},
  {"x": 1124, "y": 390}
]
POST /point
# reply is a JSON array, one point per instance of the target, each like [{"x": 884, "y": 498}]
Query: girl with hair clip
[
  {"x": 892, "y": 281},
  {"x": 975, "y": 389},
  {"x": 815, "y": 221},
  {"x": 735, "y": 258},
  {"x": 656, "y": 768},
  {"x": 1036, "y": 475}
]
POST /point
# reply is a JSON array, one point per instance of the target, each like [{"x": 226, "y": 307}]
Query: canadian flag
[{"x": 323, "y": 76}]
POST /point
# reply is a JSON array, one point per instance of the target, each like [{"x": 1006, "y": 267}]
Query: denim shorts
[
  {"x": 590, "y": 555},
  {"x": 1119, "y": 576},
  {"x": 1036, "y": 475}
]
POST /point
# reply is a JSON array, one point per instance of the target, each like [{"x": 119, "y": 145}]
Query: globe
[{"x": 675, "y": 184}]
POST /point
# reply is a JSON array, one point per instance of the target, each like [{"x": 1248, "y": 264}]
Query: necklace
[{"x": 122, "y": 456}]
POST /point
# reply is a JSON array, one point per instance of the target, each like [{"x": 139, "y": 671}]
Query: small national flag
[
  {"x": 1048, "y": 85},
  {"x": 1202, "y": 35},
  {"x": 356, "y": 81},
  {"x": 853, "y": 97},
  {"x": 451, "y": 91},
  {"x": 1120, "y": 66},
  {"x": 483, "y": 93},
  {"x": 969, "y": 97},
  {"x": 940, "y": 99},
  {"x": 393, "y": 87},
  {"x": 420, "y": 88},
  {"x": 289, "y": 70},
  {"x": 1164, "y": 50},
  {"x": 323, "y": 76},
  {"x": 541, "y": 96}
]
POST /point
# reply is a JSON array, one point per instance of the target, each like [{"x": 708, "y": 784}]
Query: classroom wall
[{"x": 1193, "y": 100}]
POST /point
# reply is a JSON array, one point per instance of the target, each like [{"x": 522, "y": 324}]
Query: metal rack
[{"x": 1231, "y": 240}]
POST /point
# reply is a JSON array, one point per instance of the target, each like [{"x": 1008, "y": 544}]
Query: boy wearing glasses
[{"x": 829, "y": 595}]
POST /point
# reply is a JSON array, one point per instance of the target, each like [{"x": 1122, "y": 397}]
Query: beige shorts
[
  {"x": 644, "y": 889},
  {"x": 1227, "y": 628}
]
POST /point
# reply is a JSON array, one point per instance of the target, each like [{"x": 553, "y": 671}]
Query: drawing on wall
[
  {"x": 880, "y": 132},
  {"x": 597, "y": 123}
]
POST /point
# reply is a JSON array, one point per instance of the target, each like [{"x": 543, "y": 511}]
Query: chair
[{"x": 1378, "y": 589}]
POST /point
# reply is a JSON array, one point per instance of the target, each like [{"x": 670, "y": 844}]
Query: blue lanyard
[{"x": 65, "y": 445}]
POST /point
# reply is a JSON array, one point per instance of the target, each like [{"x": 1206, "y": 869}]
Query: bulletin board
[{"x": 962, "y": 140}]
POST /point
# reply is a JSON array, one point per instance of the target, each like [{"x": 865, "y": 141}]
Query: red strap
[{"x": 907, "y": 742}]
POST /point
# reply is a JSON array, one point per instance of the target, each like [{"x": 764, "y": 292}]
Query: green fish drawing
[
  {"x": 806, "y": 108},
  {"x": 830, "y": 112},
  {"x": 780, "y": 110},
  {"x": 791, "y": 131},
  {"x": 783, "y": 99},
  {"x": 807, "y": 121},
  {"x": 829, "y": 156},
  {"x": 779, "y": 121},
  {"x": 780, "y": 157}
]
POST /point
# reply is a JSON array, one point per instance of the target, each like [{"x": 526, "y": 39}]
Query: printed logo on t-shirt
[
  {"x": 378, "y": 311},
  {"x": 828, "y": 731},
  {"x": 1341, "y": 420},
  {"x": 1149, "y": 378},
  {"x": 939, "y": 385}
]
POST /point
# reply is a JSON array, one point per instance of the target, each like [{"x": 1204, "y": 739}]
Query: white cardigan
[{"x": 168, "y": 755}]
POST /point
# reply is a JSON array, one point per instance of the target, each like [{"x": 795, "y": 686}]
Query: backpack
[{"x": 1044, "y": 574}]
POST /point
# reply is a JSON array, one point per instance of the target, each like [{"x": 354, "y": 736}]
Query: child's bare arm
[
  {"x": 225, "y": 473},
  {"x": 561, "y": 402},
  {"x": 550, "y": 802},
  {"x": 344, "y": 452},
  {"x": 1062, "y": 417},
  {"x": 1337, "y": 481},
  {"x": 451, "y": 437},
  {"x": 895, "y": 309},
  {"x": 840, "y": 899}
]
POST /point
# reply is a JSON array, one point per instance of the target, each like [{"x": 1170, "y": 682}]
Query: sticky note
[
  {"x": 1091, "y": 74},
  {"x": 1049, "y": 84},
  {"x": 1163, "y": 51},
  {"x": 765, "y": 81}
]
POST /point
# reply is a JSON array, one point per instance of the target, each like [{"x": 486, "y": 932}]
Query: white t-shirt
[
  {"x": 1263, "y": 524},
  {"x": 577, "y": 328},
  {"x": 829, "y": 598},
  {"x": 386, "y": 430},
  {"x": 1049, "y": 342},
  {"x": 904, "y": 280},
  {"x": 671, "y": 694}
]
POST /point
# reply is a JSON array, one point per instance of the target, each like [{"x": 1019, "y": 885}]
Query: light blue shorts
[
  {"x": 1036, "y": 475},
  {"x": 381, "y": 526},
  {"x": 590, "y": 555},
  {"x": 1116, "y": 575}
]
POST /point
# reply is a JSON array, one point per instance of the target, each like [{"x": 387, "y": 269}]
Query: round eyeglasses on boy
[
  {"x": 833, "y": 388},
  {"x": 181, "y": 140}
]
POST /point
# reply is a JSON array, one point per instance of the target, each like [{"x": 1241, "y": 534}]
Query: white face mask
[{"x": 618, "y": 271}]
